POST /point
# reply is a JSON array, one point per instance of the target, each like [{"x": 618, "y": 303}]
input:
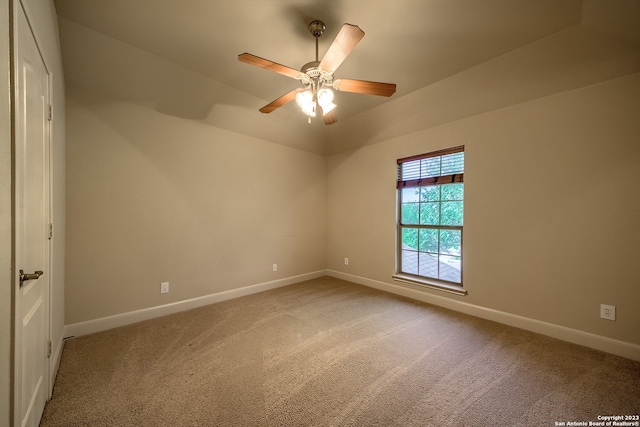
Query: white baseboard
[
  {"x": 598, "y": 342},
  {"x": 110, "y": 322}
]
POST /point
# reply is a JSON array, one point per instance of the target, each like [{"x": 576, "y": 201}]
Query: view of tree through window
[{"x": 431, "y": 197}]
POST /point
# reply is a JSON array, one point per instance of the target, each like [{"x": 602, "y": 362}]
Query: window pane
[
  {"x": 430, "y": 193},
  {"x": 452, "y": 191},
  {"x": 451, "y": 213},
  {"x": 410, "y": 238},
  {"x": 428, "y": 265},
  {"x": 430, "y": 213},
  {"x": 410, "y": 195},
  {"x": 450, "y": 242},
  {"x": 409, "y": 262},
  {"x": 428, "y": 241},
  {"x": 409, "y": 214},
  {"x": 450, "y": 268}
]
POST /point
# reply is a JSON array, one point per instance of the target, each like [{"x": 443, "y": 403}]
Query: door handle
[{"x": 29, "y": 276}]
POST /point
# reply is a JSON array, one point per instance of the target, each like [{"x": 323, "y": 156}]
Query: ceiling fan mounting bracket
[{"x": 317, "y": 28}]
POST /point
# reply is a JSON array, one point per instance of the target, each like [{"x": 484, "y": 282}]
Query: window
[{"x": 430, "y": 218}]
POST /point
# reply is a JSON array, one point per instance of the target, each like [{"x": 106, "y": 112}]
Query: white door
[{"x": 31, "y": 221}]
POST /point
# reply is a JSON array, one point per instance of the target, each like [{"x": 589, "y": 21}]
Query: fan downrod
[{"x": 316, "y": 28}]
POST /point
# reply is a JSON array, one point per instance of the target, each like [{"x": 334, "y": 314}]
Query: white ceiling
[{"x": 413, "y": 43}]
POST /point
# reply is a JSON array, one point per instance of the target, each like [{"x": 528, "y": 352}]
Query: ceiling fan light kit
[{"x": 317, "y": 76}]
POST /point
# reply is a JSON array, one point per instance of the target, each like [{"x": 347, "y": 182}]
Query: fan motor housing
[{"x": 309, "y": 65}]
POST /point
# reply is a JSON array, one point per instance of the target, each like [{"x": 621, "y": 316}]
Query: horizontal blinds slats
[
  {"x": 440, "y": 167},
  {"x": 432, "y": 154}
]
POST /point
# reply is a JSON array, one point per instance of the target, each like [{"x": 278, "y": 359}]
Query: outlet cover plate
[
  {"x": 164, "y": 287},
  {"x": 608, "y": 312}
]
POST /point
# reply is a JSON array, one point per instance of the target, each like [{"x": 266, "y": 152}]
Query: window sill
[{"x": 431, "y": 284}]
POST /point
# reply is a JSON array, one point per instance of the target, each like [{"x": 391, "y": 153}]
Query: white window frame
[{"x": 418, "y": 179}]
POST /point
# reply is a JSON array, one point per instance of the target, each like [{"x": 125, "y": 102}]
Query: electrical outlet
[
  {"x": 275, "y": 267},
  {"x": 608, "y": 312},
  {"x": 346, "y": 261},
  {"x": 164, "y": 287}
]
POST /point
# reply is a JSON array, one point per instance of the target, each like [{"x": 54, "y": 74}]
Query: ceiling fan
[{"x": 317, "y": 76}]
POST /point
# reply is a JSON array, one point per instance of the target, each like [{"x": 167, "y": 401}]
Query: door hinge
[
  {"x": 49, "y": 349},
  {"x": 50, "y": 112},
  {"x": 50, "y": 230}
]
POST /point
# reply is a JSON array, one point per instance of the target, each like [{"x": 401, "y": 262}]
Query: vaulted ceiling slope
[{"x": 450, "y": 59}]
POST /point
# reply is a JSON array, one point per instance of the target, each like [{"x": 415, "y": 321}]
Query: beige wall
[
  {"x": 551, "y": 207},
  {"x": 170, "y": 178},
  {"x": 154, "y": 198}
]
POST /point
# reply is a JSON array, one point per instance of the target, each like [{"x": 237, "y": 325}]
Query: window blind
[{"x": 439, "y": 167}]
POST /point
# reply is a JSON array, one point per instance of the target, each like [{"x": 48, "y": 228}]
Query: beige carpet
[{"x": 331, "y": 353}]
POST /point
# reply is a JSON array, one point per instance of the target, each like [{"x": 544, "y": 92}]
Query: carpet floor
[{"x": 327, "y": 352}]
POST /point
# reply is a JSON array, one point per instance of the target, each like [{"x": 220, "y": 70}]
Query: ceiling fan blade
[
  {"x": 268, "y": 65},
  {"x": 287, "y": 97},
  {"x": 345, "y": 41},
  {"x": 363, "y": 86},
  {"x": 330, "y": 117}
]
